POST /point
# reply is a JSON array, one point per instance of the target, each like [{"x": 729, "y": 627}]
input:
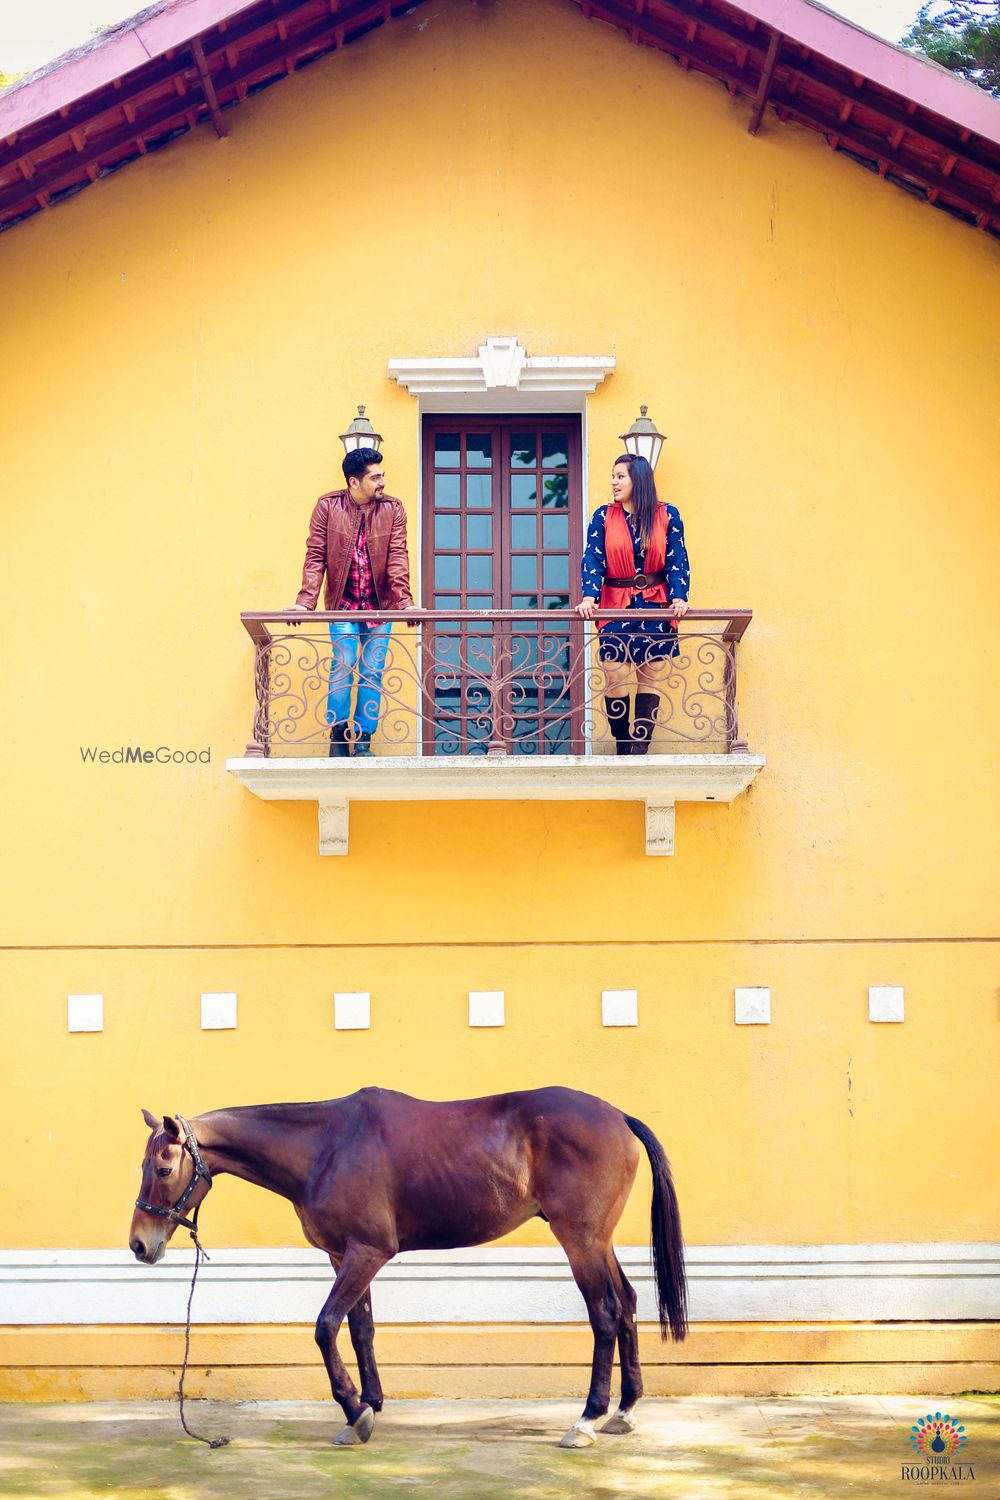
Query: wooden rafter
[
  {"x": 208, "y": 87},
  {"x": 764, "y": 87}
]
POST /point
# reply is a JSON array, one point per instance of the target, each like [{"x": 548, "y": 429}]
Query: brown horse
[{"x": 379, "y": 1172}]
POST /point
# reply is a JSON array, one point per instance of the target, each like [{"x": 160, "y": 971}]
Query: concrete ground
[{"x": 709, "y": 1448}]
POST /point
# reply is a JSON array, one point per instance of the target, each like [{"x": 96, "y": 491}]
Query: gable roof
[{"x": 178, "y": 63}]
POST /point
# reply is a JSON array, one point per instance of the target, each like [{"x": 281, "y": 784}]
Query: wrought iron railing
[{"x": 489, "y": 682}]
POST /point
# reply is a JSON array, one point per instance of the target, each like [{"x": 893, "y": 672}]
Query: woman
[{"x": 635, "y": 559}]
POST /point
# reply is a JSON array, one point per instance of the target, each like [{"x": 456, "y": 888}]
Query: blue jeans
[{"x": 349, "y": 640}]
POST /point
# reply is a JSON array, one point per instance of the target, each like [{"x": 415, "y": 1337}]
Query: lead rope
[{"x": 199, "y": 1252}]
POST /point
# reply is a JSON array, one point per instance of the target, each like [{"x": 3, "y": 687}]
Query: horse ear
[
  {"x": 151, "y": 1120},
  {"x": 171, "y": 1127}
]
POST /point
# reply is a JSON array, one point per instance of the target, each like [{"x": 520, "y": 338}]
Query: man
[{"x": 357, "y": 537}]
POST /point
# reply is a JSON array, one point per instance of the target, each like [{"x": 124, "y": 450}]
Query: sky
[{"x": 39, "y": 30}]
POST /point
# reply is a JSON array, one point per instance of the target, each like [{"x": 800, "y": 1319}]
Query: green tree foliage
[{"x": 963, "y": 35}]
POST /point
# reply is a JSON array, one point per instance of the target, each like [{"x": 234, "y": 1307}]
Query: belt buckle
[{"x": 641, "y": 581}]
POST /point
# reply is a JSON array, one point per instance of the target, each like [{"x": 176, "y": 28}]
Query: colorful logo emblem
[{"x": 936, "y": 1437}]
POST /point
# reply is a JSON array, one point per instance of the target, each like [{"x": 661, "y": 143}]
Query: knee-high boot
[
  {"x": 647, "y": 706},
  {"x": 616, "y": 709}
]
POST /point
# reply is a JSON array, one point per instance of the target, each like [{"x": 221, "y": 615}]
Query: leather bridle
[
  {"x": 176, "y": 1213},
  {"x": 176, "y": 1216}
]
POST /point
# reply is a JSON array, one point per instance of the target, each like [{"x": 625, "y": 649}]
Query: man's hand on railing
[
  {"x": 411, "y": 609},
  {"x": 587, "y": 608},
  {"x": 298, "y": 609}
]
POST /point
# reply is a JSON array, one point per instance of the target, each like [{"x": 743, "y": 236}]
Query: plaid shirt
[{"x": 359, "y": 590}]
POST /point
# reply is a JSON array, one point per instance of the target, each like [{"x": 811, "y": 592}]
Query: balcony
[{"x": 493, "y": 705}]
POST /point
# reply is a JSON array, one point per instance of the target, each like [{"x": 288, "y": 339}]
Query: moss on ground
[{"x": 712, "y": 1449}]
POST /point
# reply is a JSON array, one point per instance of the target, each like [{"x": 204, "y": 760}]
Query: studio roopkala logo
[{"x": 938, "y": 1441}]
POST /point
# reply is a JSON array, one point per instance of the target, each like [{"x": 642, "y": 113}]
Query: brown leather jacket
[{"x": 333, "y": 530}]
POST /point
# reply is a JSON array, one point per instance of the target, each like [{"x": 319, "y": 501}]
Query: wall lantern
[
  {"x": 361, "y": 434},
  {"x": 642, "y": 438}
]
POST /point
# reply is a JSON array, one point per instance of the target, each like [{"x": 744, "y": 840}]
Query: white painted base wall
[{"x": 727, "y": 1283}]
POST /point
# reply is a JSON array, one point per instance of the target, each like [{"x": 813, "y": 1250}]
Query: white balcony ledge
[{"x": 658, "y": 781}]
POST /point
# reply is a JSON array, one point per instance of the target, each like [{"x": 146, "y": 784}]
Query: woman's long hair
[{"x": 644, "y": 498}]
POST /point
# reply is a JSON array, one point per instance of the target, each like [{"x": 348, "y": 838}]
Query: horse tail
[{"x": 668, "y": 1245}]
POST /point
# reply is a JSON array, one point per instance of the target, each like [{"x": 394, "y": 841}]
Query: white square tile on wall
[
  {"x": 352, "y": 1011},
  {"x": 84, "y": 1012},
  {"x": 619, "y": 1007},
  {"x": 752, "y": 1006},
  {"x": 486, "y": 1008},
  {"x": 218, "y": 1011},
  {"x": 885, "y": 1002}
]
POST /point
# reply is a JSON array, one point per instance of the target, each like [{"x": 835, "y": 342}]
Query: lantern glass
[{"x": 648, "y": 447}]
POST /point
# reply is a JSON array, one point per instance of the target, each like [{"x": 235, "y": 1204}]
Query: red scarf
[{"x": 619, "y": 555}]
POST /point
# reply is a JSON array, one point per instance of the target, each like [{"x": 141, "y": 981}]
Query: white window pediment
[{"x": 503, "y": 365}]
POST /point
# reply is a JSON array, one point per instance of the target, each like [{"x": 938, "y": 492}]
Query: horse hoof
[
  {"x": 576, "y": 1438},
  {"x": 359, "y": 1431},
  {"x": 620, "y": 1422}
]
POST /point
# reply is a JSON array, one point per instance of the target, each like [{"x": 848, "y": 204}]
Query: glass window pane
[
  {"x": 556, "y": 601},
  {"x": 447, "y": 601},
  {"x": 479, "y": 491},
  {"x": 447, "y": 572},
  {"x": 522, "y": 492},
  {"x": 524, "y": 572},
  {"x": 555, "y": 495},
  {"x": 479, "y": 659},
  {"x": 555, "y": 572},
  {"x": 479, "y": 531},
  {"x": 447, "y": 491},
  {"x": 447, "y": 653},
  {"x": 555, "y": 654},
  {"x": 479, "y": 573},
  {"x": 555, "y": 450},
  {"x": 523, "y": 532},
  {"x": 523, "y": 450},
  {"x": 524, "y": 650},
  {"x": 524, "y": 601},
  {"x": 447, "y": 531},
  {"x": 446, "y": 450},
  {"x": 555, "y": 533},
  {"x": 557, "y": 738},
  {"x": 478, "y": 450}
]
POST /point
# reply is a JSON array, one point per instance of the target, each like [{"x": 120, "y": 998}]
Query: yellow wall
[{"x": 181, "y": 345}]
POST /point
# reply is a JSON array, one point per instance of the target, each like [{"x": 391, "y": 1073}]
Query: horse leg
[
  {"x": 592, "y": 1273},
  {"x": 362, "y": 1327},
  {"x": 628, "y": 1354},
  {"x": 357, "y": 1267}
]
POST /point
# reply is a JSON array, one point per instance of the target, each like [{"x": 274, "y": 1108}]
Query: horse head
[{"x": 174, "y": 1182}]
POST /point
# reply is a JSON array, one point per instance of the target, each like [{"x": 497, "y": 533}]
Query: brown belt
[{"x": 640, "y": 581}]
